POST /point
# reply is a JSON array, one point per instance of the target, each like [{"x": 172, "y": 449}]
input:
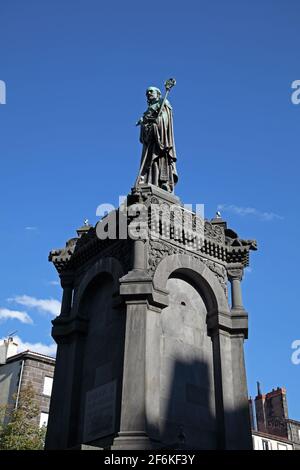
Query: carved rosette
[
  {"x": 213, "y": 232},
  {"x": 159, "y": 250}
]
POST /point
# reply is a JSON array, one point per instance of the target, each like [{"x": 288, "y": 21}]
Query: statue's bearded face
[{"x": 152, "y": 94}]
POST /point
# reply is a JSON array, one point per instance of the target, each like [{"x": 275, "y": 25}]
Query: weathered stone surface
[{"x": 150, "y": 318}]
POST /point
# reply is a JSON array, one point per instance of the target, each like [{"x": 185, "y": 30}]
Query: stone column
[
  {"x": 232, "y": 411},
  {"x": 237, "y": 428},
  {"x": 62, "y": 427},
  {"x": 133, "y": 427},
  {"x": 139, "y": 262},
  {"x": 67, "y": 283},
  {"x": 228, "y": 331},
  {"x": 67, "y": 331},
  {"x": 235, "y": 276},
  {"x": 137, "y": 291},
  {"x": 242, "y": 429}
]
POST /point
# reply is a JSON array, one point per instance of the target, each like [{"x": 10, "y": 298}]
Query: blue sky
[{"x": 76, "y": 74}]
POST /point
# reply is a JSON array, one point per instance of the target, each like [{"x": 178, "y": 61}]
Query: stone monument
[{"x": 150, "y": 353}]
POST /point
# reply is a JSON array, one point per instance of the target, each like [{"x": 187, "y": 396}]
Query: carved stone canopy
[{"x": 219, "y": 244}]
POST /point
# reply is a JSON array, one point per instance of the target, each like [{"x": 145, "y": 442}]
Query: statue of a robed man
[{"x": 158, "y": 162}]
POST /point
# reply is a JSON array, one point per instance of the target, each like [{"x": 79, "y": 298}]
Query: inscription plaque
[{"x": 99, "y": 417}]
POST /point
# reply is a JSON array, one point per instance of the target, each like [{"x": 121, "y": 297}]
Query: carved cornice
[
  {"x": 83, "y": 249},
  {"x": 213, "y": 241}
]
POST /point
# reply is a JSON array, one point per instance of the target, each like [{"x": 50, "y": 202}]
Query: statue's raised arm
[{"x": 158, "y": 162}]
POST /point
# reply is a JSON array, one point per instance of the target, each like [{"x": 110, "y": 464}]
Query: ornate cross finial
[{"x": 170, "y": 83}]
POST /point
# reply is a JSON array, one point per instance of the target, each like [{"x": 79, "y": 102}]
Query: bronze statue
[{"x": 158, "y": 162}]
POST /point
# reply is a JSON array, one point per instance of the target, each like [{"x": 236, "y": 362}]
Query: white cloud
[
  {"x": 47, "y": 349},
  {"x": 7, "y": 314},
  {"x": 30, "y": 227},
  {"x": 54, "y": 283},
  {"x": 248, "y": 270},
  {"x": 245, "y": 211},
  {"x": 46, "y": 305}
]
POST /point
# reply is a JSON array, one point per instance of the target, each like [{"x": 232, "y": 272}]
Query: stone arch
[
  {"x": 104, "y": 266},
  {"x": 100, "y": 352},
  {"x": 188, "y": 378},
  {"x": 196, "y": 272}
]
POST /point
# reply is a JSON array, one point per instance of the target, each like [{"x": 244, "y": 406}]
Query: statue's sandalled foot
[{"x": 165, "y": 186}]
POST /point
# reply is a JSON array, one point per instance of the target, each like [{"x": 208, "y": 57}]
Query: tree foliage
[{"x": 22, "y": 432}]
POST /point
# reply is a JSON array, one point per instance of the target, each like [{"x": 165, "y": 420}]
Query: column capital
[
  {"x": 65, "y": 329},
  {"x": 235, "y": 273},
  {"x": 67, "y": 279}
]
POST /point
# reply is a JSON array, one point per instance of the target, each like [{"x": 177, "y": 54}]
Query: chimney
[
  {"x": 276, "y": 412},
  {"x": 258, "y": 388},
  {"x": 8, "y": 348},
  {"x": 260, "y": 410}
]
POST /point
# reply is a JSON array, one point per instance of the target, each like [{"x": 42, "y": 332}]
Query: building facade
[
  {"x": 18, "y": 370},
  {"x": 262, "y": 441},
  {"x": 271, "y": 425}
]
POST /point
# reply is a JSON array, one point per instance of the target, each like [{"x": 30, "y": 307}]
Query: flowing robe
[{"x": 159, "y": 154}]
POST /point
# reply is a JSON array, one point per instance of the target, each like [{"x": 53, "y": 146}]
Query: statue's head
[{"x": 153, "y": 94}]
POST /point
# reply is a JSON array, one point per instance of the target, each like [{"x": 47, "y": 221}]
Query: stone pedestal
[{"x": 150, "y": 353}]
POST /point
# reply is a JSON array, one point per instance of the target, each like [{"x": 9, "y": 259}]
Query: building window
[
  {"x": 266, "y": 445},
  {"x": 281, "y": 447},
  {"x": 299, "y": 434},
  {"x": 47, "y": 386},
  {"x": 44, "y": 419}
]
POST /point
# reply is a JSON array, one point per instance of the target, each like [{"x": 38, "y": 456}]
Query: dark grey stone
[
  {"x": 152, "y": 317},
  {"x": 158, "y": 162}
]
